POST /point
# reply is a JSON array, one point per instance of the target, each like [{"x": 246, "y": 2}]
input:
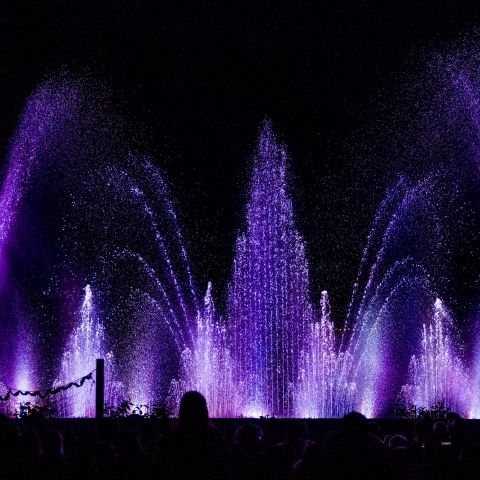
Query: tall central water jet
[{"x": 268, "y": 304}]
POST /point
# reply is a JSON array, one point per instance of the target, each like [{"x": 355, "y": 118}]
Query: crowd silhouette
[{"x": 193, "y": 448}]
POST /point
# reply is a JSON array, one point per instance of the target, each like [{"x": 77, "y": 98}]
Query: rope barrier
[{"x": 12, "y": 392}]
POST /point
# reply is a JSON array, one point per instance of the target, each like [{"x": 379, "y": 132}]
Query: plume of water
[
  {"x": 437, "y": 374},
  {"x": 273, "y": 353},
  {"x": 323, "y": 389},
  {"x": 268, "y": 301},
  {"x": 164, "y": 300},
  {"x": 85, "y": 344},
  {"x": 208, "y": 367},
  {"x": 47, "y": 114},
  {"x": 474, "y": 409},
  {"x": 398, "y": 273}
]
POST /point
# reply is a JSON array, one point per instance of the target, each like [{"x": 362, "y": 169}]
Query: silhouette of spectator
[
  {"x": 53, "y": 463},
  {"x": 29, "y": 453},
  {"x": 398, "y": 442},
  {"x": 311, "y": 463},
  {"x": 469, "y": 465},
  {"x": 193, "y": 414},
  {"x": 457, "y": 428},
  {"x": 353, "y": 452},
  {"x": 195, "y": 450},
  {"x": 295, "y": 436},
  {"x": 400, "y": 456},
  {"x": 130, "y": 453},
  {"x": 106, "y": 462},
  {"x": 247, "y": 451},
  {"x": 9, "y": 443},
  {"x": 278, "y": 462}
]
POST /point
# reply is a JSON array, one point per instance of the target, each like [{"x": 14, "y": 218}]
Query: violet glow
[
  {"x": 274, "y": 351},
  {"x": 85, "y": 344}
]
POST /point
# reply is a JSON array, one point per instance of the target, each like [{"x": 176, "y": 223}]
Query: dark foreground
[{"x": 139, "y": 448}]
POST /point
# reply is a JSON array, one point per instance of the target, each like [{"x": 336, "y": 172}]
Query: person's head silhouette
[
  {"x": 53, "y": 444},
  {"x": 193, "y": 412}
]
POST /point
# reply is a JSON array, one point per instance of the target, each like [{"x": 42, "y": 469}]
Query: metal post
[{"x": 100, "y": 388}]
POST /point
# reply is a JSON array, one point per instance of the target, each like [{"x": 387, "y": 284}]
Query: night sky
[{"x": 195, "y": 79}]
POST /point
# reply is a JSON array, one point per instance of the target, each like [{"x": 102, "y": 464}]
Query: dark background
[{"x": 196, "y": 78}]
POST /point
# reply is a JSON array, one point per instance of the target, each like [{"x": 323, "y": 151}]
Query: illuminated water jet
[
  {"x": 438, "y": 375},
  {"x": 274, "y": 349},
  {"x": 86, "y": 343}
]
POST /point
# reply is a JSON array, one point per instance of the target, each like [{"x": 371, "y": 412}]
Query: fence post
[{"x": 99, "y": 388}]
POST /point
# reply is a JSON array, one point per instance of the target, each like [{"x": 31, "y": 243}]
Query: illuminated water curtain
[{"x": 273, "y": 350}]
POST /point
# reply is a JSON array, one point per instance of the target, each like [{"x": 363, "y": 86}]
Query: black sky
[{"x": 198, "y": 77}]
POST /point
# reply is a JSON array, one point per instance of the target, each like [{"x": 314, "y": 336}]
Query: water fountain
[{"x": 274, "y": 350}]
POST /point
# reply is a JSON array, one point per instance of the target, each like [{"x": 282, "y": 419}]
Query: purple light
[{"x": 273, "y": 351}]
